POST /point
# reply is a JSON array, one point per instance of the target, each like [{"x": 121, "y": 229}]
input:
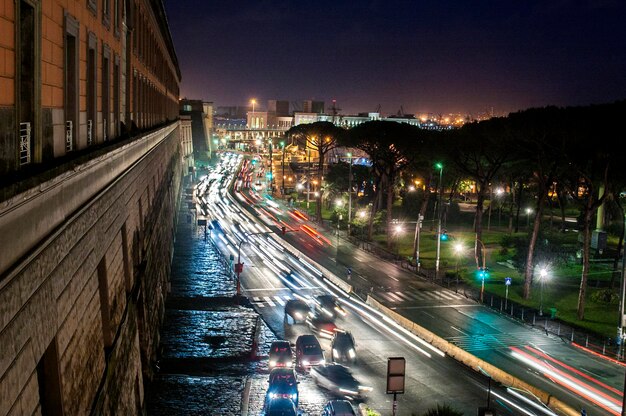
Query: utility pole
[
  {"x": 283, "y": 187},
  {"x": 440, "y": 166},
  {"x": 349, "y": 193},
  {"x": 308, "y": 182},
  {"x": 271, "y": 169}
]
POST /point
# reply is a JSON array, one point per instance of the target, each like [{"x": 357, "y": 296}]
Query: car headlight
[
  {"x": 335, "y": 353},
  {"x": 351, "y": 353},
  {"x": 365, "y": 388},
  {"x": 294, "y": 396},
  {"x": 272, "y": 363},
  {"x": 273, "y": 395},
  {"x": 298, "y": 316},
  {"x": 305, "y": 362},
  {"x": 288, "y": 364}
]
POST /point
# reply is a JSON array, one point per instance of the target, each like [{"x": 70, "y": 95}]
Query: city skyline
[{"x": 452, "y": 58}]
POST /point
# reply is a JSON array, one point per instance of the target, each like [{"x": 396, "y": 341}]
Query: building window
[
  {"x": 106, "y": 86},
  {"x": 106, "y": 13},
  {"x": 92, "y": 6},
  {"x": 91, "y": 88},
  {"x": 49, "y": 381},
  {"x": 116, "y": 17},
  {"x": 116, "y": 96},
  {"x": 71, "y": 82},
  {"x": 26, "y": 85}
]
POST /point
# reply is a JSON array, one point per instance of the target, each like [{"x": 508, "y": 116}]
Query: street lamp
[
  {"x": 349, "y": 192},
  {"x": 440, "y": 167},
  {"x": 282, "y": 144},
  {"x": 458, "y": 251},
  {"x": 528, "y": 212},
  {"x": 482, "y": 271},
  {"x": 543, "y": 273},
  {"x": 398, "y": 230}
]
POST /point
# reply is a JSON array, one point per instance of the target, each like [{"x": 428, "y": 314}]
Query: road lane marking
[
  {"x": 279, "y": 300},
  {"x": 457, "y": 329},
  {"x": 269, "y": 301}
]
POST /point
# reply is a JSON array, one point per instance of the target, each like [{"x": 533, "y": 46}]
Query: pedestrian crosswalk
[
  {"x": 419, "y": 295},
  {"x": 263, "y": 301},
  {"x": 498, "y": 341}
]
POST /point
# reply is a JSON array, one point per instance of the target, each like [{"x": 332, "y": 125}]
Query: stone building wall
[{"x": 80, "y": 312}]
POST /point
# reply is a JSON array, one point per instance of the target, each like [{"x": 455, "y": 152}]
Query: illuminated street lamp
[
  {"x": 282, "y": 192},
  {"x": 349, "y": 192},
  {"x": 440, "y": 167},
  {"x": 528, "y": 212},
  {"x": 458, "y": 251},
  {"x": 543, "y": 274},
  {"x": 398, "y": 230}
]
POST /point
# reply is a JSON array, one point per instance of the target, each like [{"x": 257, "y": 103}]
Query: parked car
[
  {"x": 339, "y": 380},
  {"x": 338, "y": 408},
  {"x": 327, "y": 305},
  {"x": 282, "y": 385},
  {"x": 281, "y": 407},
  {"x": 308, "y": 352},
  {"x": 297, "y": 309},
  {"x": 280, "y": 354},
  {"x": 343, "y": 347},
  {"x": 324, "y": 326}
]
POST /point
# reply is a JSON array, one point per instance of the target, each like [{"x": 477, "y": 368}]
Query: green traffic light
[{"x": 439, "y": 165}]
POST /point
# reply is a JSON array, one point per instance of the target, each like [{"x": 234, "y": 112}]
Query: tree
[
  {"x": 390, "y": 146},
  {"x": 479, "y": 150},
  {"x": 321, "y": 137},
  {"x": 540, "y": 138},
  {"x": 590, "y": 154}
]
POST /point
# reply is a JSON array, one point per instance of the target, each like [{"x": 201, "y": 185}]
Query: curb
[{"x": 474, "y": 362}]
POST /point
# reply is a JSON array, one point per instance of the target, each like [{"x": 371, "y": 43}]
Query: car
[
  {"x": 338, "y": 408},
  {"x": 327, "y": 305},
  {"x": 343, "y": 347},
  {"x": 281, "y": 407},
  {"x": 280, "y": 355},
  {"x": 338, "y": 380},
  {"x": 308, "y": 352},
  {"x": 297, "y": 309},
  {"x": 322, "y": 325},
  {"x": 282, "y": 384}
]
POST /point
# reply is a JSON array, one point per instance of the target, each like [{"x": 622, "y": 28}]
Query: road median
[{"x": 474, "y": 362}]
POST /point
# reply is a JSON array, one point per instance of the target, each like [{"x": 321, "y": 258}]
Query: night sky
[{"x": 428, "y": 56}]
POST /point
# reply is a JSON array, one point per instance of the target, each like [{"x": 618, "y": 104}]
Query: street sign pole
[
  {"x": 395, "y": 379},
  {"x": 507, "y": 283}
]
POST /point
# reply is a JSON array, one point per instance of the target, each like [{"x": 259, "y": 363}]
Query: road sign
[
  {"x": 395, "y": 375},
  {"x": 507, "y": 281}
]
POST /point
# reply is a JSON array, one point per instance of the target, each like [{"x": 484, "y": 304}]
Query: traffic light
[
  {"x": 483, "y": 273},
  {"x": 283, "y": 230},
  {"x": 444, "y": 235}
]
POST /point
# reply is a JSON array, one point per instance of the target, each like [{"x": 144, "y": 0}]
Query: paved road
[
  {"x": 578, "y": 378},
  {"x": 431, "y": 378}
]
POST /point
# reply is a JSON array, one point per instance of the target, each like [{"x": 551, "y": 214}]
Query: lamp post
[
  {"x": 528, "y": 212},
  {"x": 543, "y": 273},
  {"x": 398, "y": 231},
  {"x": 440, "y": 167},
  {"x": 271, "y": 170},
  {"x": 458, "y": 250},
  {"x": 499, "y": 193},
  {"x": 483, "y": 270},
  {"x": 282, "y": 144},
  {"x": 349, "y": 192},
  {"x": 308, "y": 182},
  {"x": 362, "y": 214}
]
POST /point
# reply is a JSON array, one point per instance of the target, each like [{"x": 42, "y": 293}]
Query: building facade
[
  {"x": 91, "y": 167},
  {"x": 77, "y": 74}
]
